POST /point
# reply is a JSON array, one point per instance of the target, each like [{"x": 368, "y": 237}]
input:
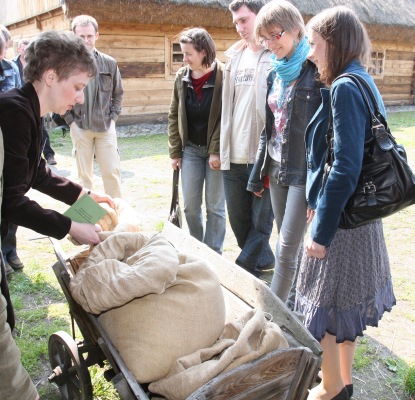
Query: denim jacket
[
  {"x": 10, "y": 78},
  {"x": 108, "y": 97},
  {"x": 351, "y": 127},
  {"x": 302, "y": 104}
]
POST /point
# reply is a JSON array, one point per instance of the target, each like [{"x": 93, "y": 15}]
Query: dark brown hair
[
  {"x": 346, "y": 40},
  {"x": 253, "y": 5},
  {"x": 65, "y": 53},
  {"x": 201, "y": 40}
]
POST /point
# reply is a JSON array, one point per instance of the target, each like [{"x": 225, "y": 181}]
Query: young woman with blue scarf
[{"x": 293, "y": 96}]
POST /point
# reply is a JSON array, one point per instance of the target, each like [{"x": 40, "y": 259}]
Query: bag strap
[
  {"x": 378, "y": 122},
  {"x": 376, "y": 115},
  {"x": 175, "y": 191}
]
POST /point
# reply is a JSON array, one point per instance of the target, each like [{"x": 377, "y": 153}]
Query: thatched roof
[
  {"x": 374, "y": 12},
  {"x": 397, "y": 15}
]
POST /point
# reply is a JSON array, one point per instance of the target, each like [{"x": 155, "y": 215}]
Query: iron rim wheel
[{"x": 70, "y": 372}]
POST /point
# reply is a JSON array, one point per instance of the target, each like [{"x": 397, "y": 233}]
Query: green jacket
[{"x": 178, "y": 133}]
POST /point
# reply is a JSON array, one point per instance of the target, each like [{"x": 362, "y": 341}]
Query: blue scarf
[{"x": 289, "y": 70}]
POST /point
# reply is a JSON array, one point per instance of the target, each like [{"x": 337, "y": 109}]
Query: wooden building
[{"x": 140, "y": 35}]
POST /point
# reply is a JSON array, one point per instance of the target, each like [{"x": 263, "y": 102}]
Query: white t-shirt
[{"x": 244, "y": 108}]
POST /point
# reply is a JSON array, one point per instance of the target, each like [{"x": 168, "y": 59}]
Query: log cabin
[{"x": 141, "y": 36}]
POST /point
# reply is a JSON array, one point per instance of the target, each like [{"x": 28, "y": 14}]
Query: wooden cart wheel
[{"x": 70, "y": 372}]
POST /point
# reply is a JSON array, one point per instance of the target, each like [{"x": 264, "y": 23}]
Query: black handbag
[
  {"x": 386, "y": 183},
  {"x": 175, "y": 216}
]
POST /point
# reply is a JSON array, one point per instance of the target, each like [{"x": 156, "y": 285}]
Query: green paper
[{"x": 85, "y": 210}]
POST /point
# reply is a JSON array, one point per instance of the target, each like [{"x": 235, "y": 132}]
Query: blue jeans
[
  {"x": 195, "y": 172},
  {"x": 251, "y": 219},
  {"x": 290, "y": 209}
]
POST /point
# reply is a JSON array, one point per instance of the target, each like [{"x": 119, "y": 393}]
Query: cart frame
[{"x": 279, "y": 375}]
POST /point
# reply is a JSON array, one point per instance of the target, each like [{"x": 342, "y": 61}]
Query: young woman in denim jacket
[
  {"x": 194, "y": 133},
  {"x": 293, "y": 96},
  {"x": 344, "y": 282}
]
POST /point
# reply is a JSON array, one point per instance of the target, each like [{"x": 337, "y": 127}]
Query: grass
[{"x": 41, "y": 308}]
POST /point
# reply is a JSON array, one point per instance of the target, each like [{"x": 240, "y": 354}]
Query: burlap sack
[
  {"x": 241, "y": 342},
  {"x": 178, "y": 304},
  {"x": 123, "y": 267}
]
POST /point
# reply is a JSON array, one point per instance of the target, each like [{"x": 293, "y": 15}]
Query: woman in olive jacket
[{"x": 194, "y": 132}]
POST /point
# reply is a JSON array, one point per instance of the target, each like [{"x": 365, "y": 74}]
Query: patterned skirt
[{"x": 350, "y": 288}]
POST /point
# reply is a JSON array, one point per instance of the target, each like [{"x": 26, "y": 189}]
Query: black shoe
[
  {"x": 349, "y": 389},
  {"x": 343, "y": 395},
  {"x": 51, "y": 160}
]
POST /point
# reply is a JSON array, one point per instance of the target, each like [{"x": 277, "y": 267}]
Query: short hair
[
  {"x": 84, "y": 20},
  {"x": 2, "y": 42},
  {"x": 281, "y": 13},
  {"x": 253, "y": 5},
  {"x": 201, "y": 40},
  {"x": 22, "y": 42},
  {"x": 346, "y": 40},
  {"x": 5, "y": 33},
  {"x": 63, "y": 52}
]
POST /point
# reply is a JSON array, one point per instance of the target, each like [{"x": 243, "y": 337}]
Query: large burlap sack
[
  {"x": 173, "y": 303},
  {"x": 123, "y": 267},
  {"x": 241, "y": 342}
]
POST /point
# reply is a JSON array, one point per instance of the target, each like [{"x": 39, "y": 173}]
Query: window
[
  {"x": 176, "y": 58},
  {"x": 377, "y": 64}
]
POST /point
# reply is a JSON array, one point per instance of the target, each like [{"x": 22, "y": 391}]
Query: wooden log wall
[
  {"x": 15, "y": 11},
  {"x": 143, "y": 55},
  {"x": 397, "y": 83}
]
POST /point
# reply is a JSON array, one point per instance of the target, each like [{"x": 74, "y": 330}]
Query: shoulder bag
[
  {"x": 386, "y": 183},
  {"x": 175, "y": 216}
]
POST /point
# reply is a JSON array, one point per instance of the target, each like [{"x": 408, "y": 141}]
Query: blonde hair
[
  {"x": 84, "y": 20},
  {"x": 281, "y": 13}
]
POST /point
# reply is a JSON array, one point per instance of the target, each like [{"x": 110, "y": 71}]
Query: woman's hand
[
  {"x": 214, "y": 162},
  {"x": 310, "y": 215},
  {"x": 315, "y": 250},
  {"x": 176, "y": 163},
  {"x": 85, "y": 233},
  {"x": 259, "y": 194}
]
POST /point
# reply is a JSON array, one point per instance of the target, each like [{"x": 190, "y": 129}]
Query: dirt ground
[{"x": 147, "y": 185}]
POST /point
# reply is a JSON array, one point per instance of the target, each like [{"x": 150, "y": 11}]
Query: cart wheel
[{"x": 70, "y": 372}]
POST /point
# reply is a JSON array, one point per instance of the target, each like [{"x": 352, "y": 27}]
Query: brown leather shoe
[
  {"x": 9, "y": 269},
  {"x": 15, "y": 263}
]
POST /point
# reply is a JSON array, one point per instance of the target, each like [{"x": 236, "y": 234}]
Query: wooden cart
[{"x": 280, "y": 375}]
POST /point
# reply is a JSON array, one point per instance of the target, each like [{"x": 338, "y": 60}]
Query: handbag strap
[
  {"x": 382, "y": 136},
  {"x": 175, "y": 191},
  {"x": 376, "y": 115}
]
